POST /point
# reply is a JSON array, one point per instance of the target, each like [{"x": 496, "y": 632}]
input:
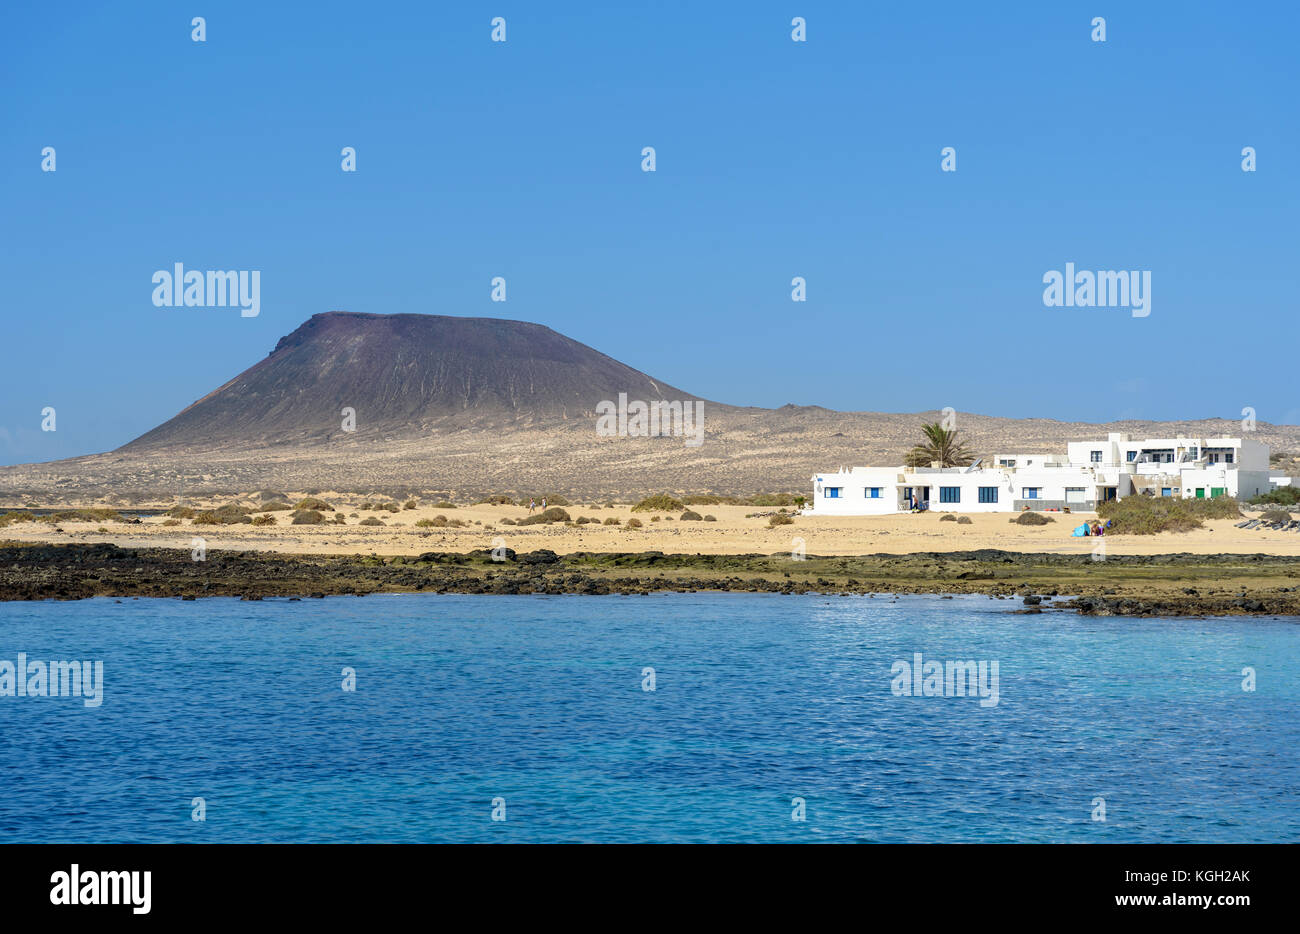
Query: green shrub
[
  {"x": 82, "y": 515},
  {"x": 1275, "y": 516},
  {"x": 779, "y": 519},
  {"x": 634, "y": 523},
  {"x": 1150, "y": 515},
  {"x": 372, "y": 520},
  {"x": 232, "y": 514},
  {"x": 444, "y": 505},
  {"x": 691, "y": 515},
  {"x": 947, "y": 517},
  {"x": 306, "y": 517},
  {"x": 496, "y": 499},
  {"x": 409, "y": 504},
  {"x": 1282, "y": 496},
  {"x": 660, "y": 503},
  {"x": 552, "y": 514},
  {"x": 964, "y": 520},
  {"x": 274, "y": 507},
  {"x": 771, "y": 499},
  {"x": 206, "y": 518},
  {"x": 612, "y": 520},
  {"x": 710, "y": 518},
  {"x": 313, "y": 504},
  {"x": 181, "y": 512},
  {"x": 171, "y": 522},
  {"x": 264, "y": 520},
  {"x": 1032, "y": 518}
]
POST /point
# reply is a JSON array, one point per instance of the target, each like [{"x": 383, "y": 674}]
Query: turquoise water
[{"x": 538, "y": 700}]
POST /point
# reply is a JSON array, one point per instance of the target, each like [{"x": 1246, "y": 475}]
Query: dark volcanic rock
[{"x": 403, "y": 374}]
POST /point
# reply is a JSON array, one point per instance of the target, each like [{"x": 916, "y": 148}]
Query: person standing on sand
[
  {"x": 532, "y": 504},
  {"x": 543, "y": 504}
]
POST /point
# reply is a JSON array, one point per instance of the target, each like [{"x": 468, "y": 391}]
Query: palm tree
[{"x": 941, "y": 446}]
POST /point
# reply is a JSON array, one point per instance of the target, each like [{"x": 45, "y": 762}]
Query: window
[
  {"x": 833, "y": 492},
  {"x": 1095, "y": 457},
  {"x": 950, "y": 494},
  {"x": 871, "y": 492},
  {"x": 1031, "y": 492},
  {"x": 1166, "y": 491},
  {"x": 1075, "y": 494},
  {"x": 1007, "y": 462},
  {"x": 1132, "y": 456},
  {"x": 988, "y": 494},
  {"x": 1227, "y": 457}
]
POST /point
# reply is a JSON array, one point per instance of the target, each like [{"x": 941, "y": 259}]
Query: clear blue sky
[{"x": 775, "y": 160}]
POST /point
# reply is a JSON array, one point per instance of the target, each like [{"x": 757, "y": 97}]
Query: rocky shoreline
[{"x": 1164, "y": 585}]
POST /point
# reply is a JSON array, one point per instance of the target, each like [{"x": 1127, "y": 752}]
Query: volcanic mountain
[
  {"x": 406, "y": 375},
  {"x": 478, "y": 406}
]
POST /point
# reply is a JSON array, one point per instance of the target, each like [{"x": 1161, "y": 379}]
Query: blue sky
[{"x": 775, "y": 159}]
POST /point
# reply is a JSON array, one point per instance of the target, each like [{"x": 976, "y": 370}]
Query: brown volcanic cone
[{"x": 405, "y": 375}]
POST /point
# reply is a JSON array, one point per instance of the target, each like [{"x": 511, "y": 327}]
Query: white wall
[{"x": 853, "y": 484}]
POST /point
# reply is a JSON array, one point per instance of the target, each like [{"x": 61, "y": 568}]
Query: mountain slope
[{"x": 405, "y": 375}]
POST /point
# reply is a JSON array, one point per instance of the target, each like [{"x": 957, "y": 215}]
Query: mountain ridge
[{"x": 405, "y": 373}]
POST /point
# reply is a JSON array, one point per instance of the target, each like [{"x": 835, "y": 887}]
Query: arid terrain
[
  {"x": 736, "y": 530},
  {"x": 470, "y": 407}
]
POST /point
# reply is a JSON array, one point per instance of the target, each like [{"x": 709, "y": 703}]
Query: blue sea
[{"x": 535, "y": 709}]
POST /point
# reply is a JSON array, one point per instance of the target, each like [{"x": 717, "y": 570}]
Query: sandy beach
[{"x": 737, "y": 530}]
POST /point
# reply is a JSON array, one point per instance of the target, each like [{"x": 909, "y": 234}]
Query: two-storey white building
[{"x": 1089, "y": 473}]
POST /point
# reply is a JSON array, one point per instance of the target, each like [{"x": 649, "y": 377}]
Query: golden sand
[{"x": 738, "y": 530}]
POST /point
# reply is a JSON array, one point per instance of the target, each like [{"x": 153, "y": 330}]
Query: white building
[{"x": 1089, "y": 473}]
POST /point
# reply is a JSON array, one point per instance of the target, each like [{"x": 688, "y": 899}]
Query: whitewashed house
[{"x": 1089, "y": 473}]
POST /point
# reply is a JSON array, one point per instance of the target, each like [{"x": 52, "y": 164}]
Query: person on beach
[
  {"x": 532, "y": 504},
  {"x": 543, "y": 504}
]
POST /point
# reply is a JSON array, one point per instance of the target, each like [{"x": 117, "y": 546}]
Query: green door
[
  {"x": 1200, "y": 492},
  {"x": 1216, "y": 491}
]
